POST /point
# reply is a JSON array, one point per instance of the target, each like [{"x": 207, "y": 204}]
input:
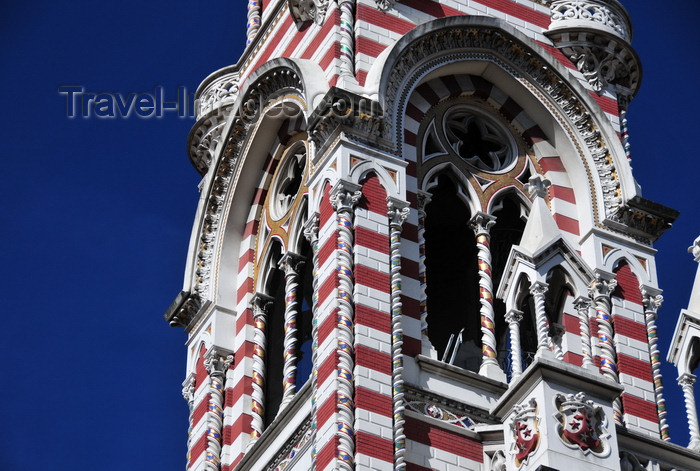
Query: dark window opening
[
  {"x": 528, "y": 330},
  {"x": 452, "y": 278},
  {"x": 274, "y": 353},
  {"x": 304, "y": 318}
]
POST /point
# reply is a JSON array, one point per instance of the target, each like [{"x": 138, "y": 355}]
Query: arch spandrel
[
  {"x": 280, "y": 92},
  {"x": 572, "y": 127}
]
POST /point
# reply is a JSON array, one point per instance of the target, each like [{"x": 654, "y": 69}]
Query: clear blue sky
[{"x": 96, "y": 217}]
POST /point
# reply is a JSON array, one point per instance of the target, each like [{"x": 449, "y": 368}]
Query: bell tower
[{"x": 419, "y": 244}]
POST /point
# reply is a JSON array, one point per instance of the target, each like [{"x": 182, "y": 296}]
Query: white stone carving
[
  {"x": 687, "y": 383},
  {"x": 591, "y": 13},
  {"x": 385, "y": 5},
  {"x": 308, "y": 10}
]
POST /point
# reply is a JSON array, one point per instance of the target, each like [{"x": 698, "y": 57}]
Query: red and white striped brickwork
[
  {"x": 430, "y": 447},
  {"x": 376, "y": 30},
  {"x": 198, "y": 437}
]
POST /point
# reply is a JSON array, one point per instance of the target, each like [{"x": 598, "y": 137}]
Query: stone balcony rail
[{"x": 603, "y": 15}]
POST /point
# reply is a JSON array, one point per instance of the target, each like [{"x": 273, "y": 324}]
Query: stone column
[
  {"x": 188, "y": 390},
  {"x": 538, "y": 290},
  {"x": 347, "y": 38},
  {"x": 311, "y": 234},
  {"x": 600, "y": 291},
  {"x": 687, "y": 383},
  {"x": 583, "y": 307},
  {"x": 291, "y": 263},
  {"x": 260, "y": 304},
  {"x": 217, "y": 366},
  {"x": 427, "y": 348},
  {"x": 253, "y": 20},
  {"x": 481, "y": 224},
  {"x": 397, "y": 215},
  {"x": 651, "y": 306},
  {"x": 513, "y": 318},
  {"x": 344, "y": 197}
]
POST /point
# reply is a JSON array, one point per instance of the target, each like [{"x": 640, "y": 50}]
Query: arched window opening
[
  {"x": 528, "y": 330},
  {"x": 507, "y": 232},
  {"x": 452, "y": 278},
  {"x": 274, "y": 363},
  {"x": 555, "y": 299},
  {"x": 304, "y": 364}
]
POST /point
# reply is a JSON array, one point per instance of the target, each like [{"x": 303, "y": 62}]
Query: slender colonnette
[
  {"x": 343, "y": 202},
  {"x": 188, "y": 390},
  {"x": 423, "y": 201},
  {"x": 253, "y": 20},
  {"x": 217, "y": 366},
  {"x": 260, "y": 305},
  {"x": 538, "y": 290},
  {"x": 687, "y": 383},
  {"x": 600, "y": 291},
  {"x": 513, "y": 318},
  {"x": 291, "y": 263},
  {"x": 311, "y": 234},
  {"x": 651, "y": 306},
  {"x": 583, "y": 307},
  {"x": 347, "y": 38},
  {"x": 481, "y": 224},
  {"x": 397, "y": 215}
]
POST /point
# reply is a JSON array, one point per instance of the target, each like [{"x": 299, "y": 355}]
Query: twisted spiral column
[
  {"x": 343, "y": 200},
  {"x": 423, "y": 200},
  {"x": 260, "y": 304},
  {"x": 513, "y": 318},
  {"x": 291, "y": 263},
  {"x": 538, "y": 290},
  {"x": 397, "y": 215},
  {"x": 253, "y": 20},
  {"x": 687, "y": 383},
  {"x": 481, "y": 224},
  {"x": 583, "y": 307},
  {"x": 347, "y": 38},
  {"x": 311, "y": 234},
  {"x": 188, "y": 390},
  {"x": 217, "y": 366},
  {"x": 651, "y": 307},
  {"x": 600, "y": 291}
]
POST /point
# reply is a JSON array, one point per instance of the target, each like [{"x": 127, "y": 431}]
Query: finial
[
  {"x": 537, "y": 186},
  {"x": 695, "y": 249}
]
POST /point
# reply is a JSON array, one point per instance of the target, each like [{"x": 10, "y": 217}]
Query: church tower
[{"x": 419, "y": 244}]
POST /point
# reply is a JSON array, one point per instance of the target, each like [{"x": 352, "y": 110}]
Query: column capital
[
  {"x": 481, "y": 223},
  {"x": 345, "y": 195},
  {"x": 582, "y": 303},
  {"x": 261, "y": 303},
  {"x": 188, "y": 387},
  {"x": 424, "y": 199},
  {"x": 603, "y": 285},
  {"x": 652, "y": 302},
  {"x": 397, "y": 211},
  {"x": 311, "y": 227},
  {"x": 291, "y": 263},
  {"x": 217, "y": 362},
  {"x": 539, "y": 288},
  {"x": 687, "y": 379},
  {"x": 514, "y": 316}
]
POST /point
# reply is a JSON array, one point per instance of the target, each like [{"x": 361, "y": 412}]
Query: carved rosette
[
  {"x": 398, "y": 212},
  {"x": 343, "y": 198},
  {"x": 291, "y": 264},
  {"x": 481, "y": 224},
  {"x": 651, "y": 306},
  {"x": 216, "y": 366},
  {"x": 260, "y": 304},
  {"x": 600, "y": 291},
  {"x": 525, "y": 427},
  {"x": 581, "y": 424},
  {"x": 311, "y": 234}
]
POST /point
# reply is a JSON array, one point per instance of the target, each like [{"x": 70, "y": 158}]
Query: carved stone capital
[
  {"x": 582, "y": 304},
  {"x": 481, "y": 223},
  {"x": 217, "y": 363},
  {"x": 423, "y": 200},
  {"x": 261, "y": 304},
  {"x": 397, "y": 211},
  {"x": 292, "y": 263},
  {"x": 311, "y": 228},
  {"x": 538, "y": 289},
  {"x": 602, "y": 286},
  {"x": 345, "y": 195},
  {"x": 687, "y": 380},
  {"x": 514, "y": 316},
  {"x": 652, "y": 303},
  {"x": 188, "y": 388}
]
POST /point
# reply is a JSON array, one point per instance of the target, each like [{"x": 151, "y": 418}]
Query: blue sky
[{"x": 96, "y": 217}]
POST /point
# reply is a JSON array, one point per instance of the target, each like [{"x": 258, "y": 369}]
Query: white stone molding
[
  {"x": 385, "y": 5},
  {"x": 222, "y": 90},
  {"x": 344, "y": 196},
  {"x": 253, "y": 25},
  {"x": 538, "y": 290},
  {"x": 397, "y": 212},
  {"x": 217, "y": 366},
  {"x": 311, "y": 234},
  {"x": 260, "y": 305},
  {"x": 347, "y": 38},
  {"x": 583, "y": 307},
  {"x": 481, "y": 223},
  {"x": 687, "y": 383},
  {"x": 426, "y": 346},
  {"x": 600, "y": 291},
  {"x": 308, "y": 10},
  {"x": 498, "y": 462},
  {"x": 291, "y": 263},
  {"x": 652, "y": 303},
  {"x": 513, "y": 318},
  {"x": 603, "y": 14}
]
